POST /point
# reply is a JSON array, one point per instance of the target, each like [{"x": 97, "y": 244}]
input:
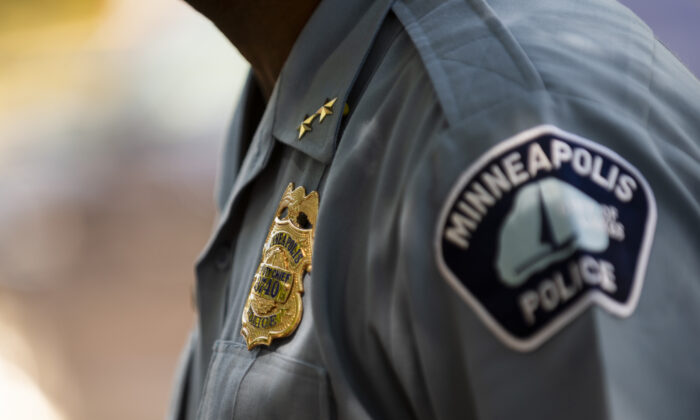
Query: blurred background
[{"x": 112, "y": 114}]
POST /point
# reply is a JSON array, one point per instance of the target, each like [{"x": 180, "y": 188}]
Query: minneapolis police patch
[{"x": 541, "y": 227}]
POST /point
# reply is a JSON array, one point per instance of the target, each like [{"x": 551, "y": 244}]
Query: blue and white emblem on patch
[{"x": 542, "y": 226}]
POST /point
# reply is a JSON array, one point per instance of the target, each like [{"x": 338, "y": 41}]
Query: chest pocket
[{"x": 262, "y": 384}]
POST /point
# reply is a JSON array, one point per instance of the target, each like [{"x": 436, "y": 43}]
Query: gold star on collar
[
  {"x": 305, "y": 126},
  {"x": 326, "y": 109}
]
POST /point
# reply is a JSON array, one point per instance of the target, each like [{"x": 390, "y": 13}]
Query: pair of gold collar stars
[{"x": 325, "y": 110}]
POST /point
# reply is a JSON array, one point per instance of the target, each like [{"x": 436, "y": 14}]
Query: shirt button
[{"x": 223, "y": 257}]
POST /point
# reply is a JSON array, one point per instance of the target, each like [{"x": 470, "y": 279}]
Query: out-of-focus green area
[
  {"x": 33, "y": 29},
  {"x": 111, "y": 116},
  {"x": 28, "y": 14}
]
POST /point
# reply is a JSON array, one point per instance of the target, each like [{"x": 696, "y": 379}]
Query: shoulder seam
[
  {"x": 436, "y": 73},
  {"x": 509, "y": 42},
  {"x": 433, "y": 63}
]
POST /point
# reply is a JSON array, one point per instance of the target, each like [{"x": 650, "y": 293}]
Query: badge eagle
[{"x": 274, "y": 307}]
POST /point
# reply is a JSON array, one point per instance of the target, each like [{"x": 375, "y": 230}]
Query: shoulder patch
[{"x": 542, "y": 226}]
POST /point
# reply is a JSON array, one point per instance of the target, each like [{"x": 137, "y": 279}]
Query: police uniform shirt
[{"x": 507, "y": 224}]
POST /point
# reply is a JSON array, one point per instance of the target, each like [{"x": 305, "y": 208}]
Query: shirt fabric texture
[{"x": 431, "y": 86}]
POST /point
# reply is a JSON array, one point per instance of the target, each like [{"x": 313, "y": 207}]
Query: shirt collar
[{"x": 321, "y": 66}]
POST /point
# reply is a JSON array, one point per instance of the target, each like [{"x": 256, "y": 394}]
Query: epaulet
[
  {"x": 479, "y": 53},
  {"x": 470, "y": 56}
]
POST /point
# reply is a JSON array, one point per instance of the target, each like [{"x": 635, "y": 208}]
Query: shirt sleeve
[
  {"x": 555, "y": 287},
  {"x": 535, "y": 262}
]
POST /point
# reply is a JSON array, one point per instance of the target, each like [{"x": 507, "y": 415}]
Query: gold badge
[{"x": 273, "y": 308}]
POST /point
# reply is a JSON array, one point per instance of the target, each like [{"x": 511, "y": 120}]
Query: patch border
[{"x": 592, "y": 296}]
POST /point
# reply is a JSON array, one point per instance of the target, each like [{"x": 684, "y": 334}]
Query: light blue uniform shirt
[{"x": 396, "y": 327}]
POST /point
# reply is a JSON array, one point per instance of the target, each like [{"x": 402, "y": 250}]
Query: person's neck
[{"x": 263, "y": 31}]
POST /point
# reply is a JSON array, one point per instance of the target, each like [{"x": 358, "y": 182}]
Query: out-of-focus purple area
[{"x": 676, "y": 23}]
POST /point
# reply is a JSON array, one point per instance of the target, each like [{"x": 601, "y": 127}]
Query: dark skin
[{"x": 264, "y": 31}]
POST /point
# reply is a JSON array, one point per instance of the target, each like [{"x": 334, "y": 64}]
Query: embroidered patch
[{"x": 542, "y": 226}]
